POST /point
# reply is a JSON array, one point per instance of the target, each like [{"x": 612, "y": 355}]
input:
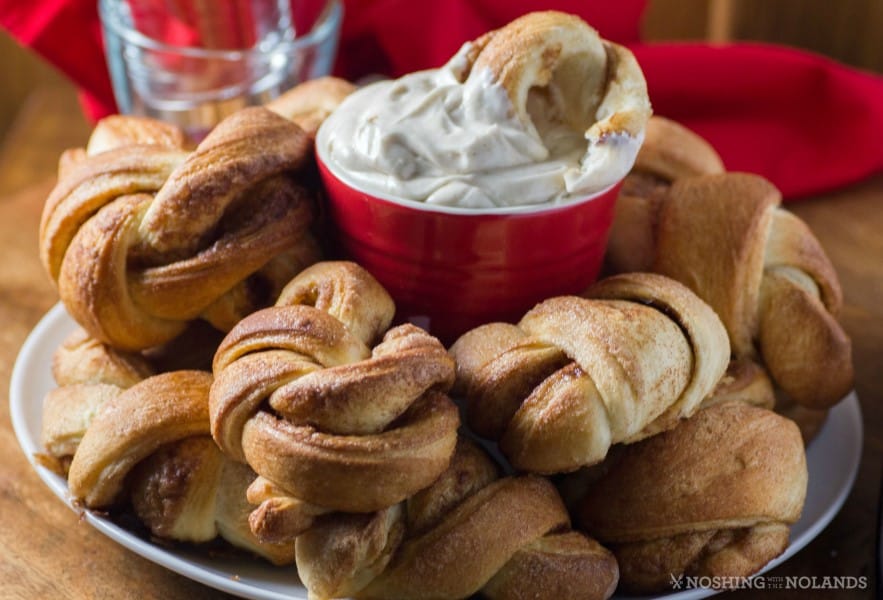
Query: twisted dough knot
[
  {"x": 714, "y": 497},
  {"x": 577, "y": 375},
  {"x": 329, "y": 423},
  {"x": 761, "y": 269},
  {"x": 147, "y": 440},
  {"x": 469, "y": 531},
  {"x": 142, "y": 236}
]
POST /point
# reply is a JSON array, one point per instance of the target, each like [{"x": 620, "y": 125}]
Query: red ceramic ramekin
[{"x": 451, "y": 269}]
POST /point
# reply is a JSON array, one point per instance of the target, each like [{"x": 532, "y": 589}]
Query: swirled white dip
[{"x": 428, "y": 137}]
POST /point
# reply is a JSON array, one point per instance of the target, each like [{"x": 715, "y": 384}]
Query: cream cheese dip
[{"x": 444, "y": 138}]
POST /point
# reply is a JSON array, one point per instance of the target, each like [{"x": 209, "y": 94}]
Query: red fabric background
[{"x": 805, "y": 122}]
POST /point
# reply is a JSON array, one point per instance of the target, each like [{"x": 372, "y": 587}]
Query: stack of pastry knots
[
  {"x": 147, "y": 238},
  {"x": 759, "y": 266},
  {"x": 123, "y": 434},
  {"x": 143, "y": 236},
  {"x": 715, "y": 497},
  {"x": 324, "y": 435},
  {"x": 468, "y": 532},
  {"x": 334, "y": 412},
  {"x": 577, "y": 375}
]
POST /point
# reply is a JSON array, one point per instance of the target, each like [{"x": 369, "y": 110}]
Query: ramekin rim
[{"x": 531, "y": 209}]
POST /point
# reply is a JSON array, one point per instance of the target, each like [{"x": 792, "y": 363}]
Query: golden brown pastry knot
[
  {"x": 310, "y": 102},
  {"x": 596, "y": 85},
  {"x": 142, "y": 236},
  {"x": 714, "y": 496},
  {"x": 670, "y": 152},
  {"x": 329, "y": 420},
  {"x": 468, "y": 532},
  {"x": 577, "y": 375},
  {"x": 766, "y": 275},
  {"x": 150, "y": 444}
]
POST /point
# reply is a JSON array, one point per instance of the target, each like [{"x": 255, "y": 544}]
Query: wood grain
[
  {"x": 47, "y": 552},
  {"x": 847, "y": 31}
]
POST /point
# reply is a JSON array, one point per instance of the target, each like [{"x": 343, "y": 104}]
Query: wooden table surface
[{"x": 47, "y": 552}]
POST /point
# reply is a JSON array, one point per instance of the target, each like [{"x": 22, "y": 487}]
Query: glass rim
[{"x": 324, "y": 28}]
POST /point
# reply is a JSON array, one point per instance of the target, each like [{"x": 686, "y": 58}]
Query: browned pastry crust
[
  {"x": 468, "y": 532},
  {"x": 328, "y": 419},
  {"x": 746, "y": 381},
  {"x": 757, "y": 265},
  {"x": 767, "y": 277},
  {"x": 670, "y": 152},
  {"x": 88, "y": 374},
  {"x": 83, "y": 359},
  {"x": 145, "y": 237},
  {"x": 309, "y": 103},
  {"x": 712, "y": 497},
  {"x": 118, "y": 131},
  {"x": 189, "y": 491},
  {"x": 149, "y": 444},
  {"x": 577, "y": 375},
  {"x": 169, "y": 407}
]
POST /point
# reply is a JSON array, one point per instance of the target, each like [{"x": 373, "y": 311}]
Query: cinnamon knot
[
  {"x": 727, "y": 238},
  {"x": 577, "y": 375},
  {"x": 329, "y": 420},
  {"x": 142, "y": 236}
]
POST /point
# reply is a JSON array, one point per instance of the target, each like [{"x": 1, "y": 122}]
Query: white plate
[{"x": 833, "y": 459}]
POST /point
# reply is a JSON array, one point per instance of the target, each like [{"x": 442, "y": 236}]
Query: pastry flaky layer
[
  {"x": 123, "y": 434},
  {"x": 577, "y": 375},
  {"x": 468, "y": 532},
  {"x": 714, "y": 496},
  {"x": 725, "y": 236},
  {"x": 334, "y": 412}
]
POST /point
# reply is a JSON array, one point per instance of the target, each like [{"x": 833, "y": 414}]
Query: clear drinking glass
[{"x": 193, "y": 62}]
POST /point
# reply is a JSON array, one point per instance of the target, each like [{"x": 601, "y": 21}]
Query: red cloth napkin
[
  {"x": 67, "y": 33},
  {"x": 805, "y": 122}
]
